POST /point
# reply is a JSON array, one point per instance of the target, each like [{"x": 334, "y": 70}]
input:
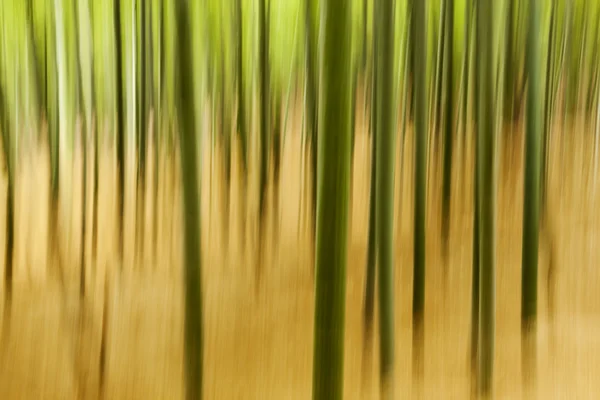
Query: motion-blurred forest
[{"x": 285, "y": 199}]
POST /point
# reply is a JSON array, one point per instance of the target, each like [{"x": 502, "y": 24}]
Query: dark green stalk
[
  {"x": 120, "y": 124},
  {"x": 486, "y": 159},
  {"x": 241, "y": 115},
  {"x": 264, "y": 110},
  {"x": 437, "y": 106},
  {"x": 547, "y": 106},
  {"x": 37, "y": 71},
  {"x": 192, "y": 253},
  {"x": 532, "y": 175},
  {"x": 143, "y": 122},
  {"x": 420, "y": 100},
  {"x": 448, "y": 114},
  {"x": 371, "y": 247},
  {"x": 312, "y": 107},
  {"x": 332, "y": 218},
  {"x": 372, "y": 243},
  {"x": 9, "y": 239},
  {"x": 509, "y": 83},
  {"x": 386, "y": 135},
  {"x": 276, "y": 135}
]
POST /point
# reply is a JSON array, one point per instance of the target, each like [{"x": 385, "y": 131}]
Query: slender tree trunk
[
  {"x": 448, "y": 114},
  {"x": 372, "y": 248},
  {"x": 509, "y": 79},
  {"x": 312, "y": 108},
  {"x": 420, "y": 100},
  {"x": 486, "y": 160},
  {"x": 531, "y": 190},
  {"x": 264, "y": 125},
  {"x": 332, "y": 219},
  {"x": 242, "y": 118},
  {"x": 144, "y": 107},
  {"x": 120, "y": 125},
  {"x": 9, "y": 238},
  {"x": 225, "y": 141},
  {"x": 159, "y": 123},
  {"x": 386, "y": 134},
  {"x": 192, "y": 254},
  {"x": 276, "y": 135}
]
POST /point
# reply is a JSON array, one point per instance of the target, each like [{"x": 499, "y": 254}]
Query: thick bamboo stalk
[
  {"x": 332, "y": 218},
  {"x": 192, "y": 253}
]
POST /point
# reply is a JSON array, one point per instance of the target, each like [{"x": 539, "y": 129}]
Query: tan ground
[{"x": 260, "y": 347}]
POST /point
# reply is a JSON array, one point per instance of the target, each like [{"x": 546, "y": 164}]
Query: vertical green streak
[
  {"x": 476, "y": 219},
  {"x": 385, "y": 195},
  {"x": 371, "y": 247},
  {"x": 372, "y": 244},
  {"x": 120, "y": 124},
  {"x": 509, "y": 83},
  {"x": 37, "y": 86},
  {"x": 276, "y": 135},
  {"x": 8, "y": 254},
  {"x": 532, "y": 173},
  {"x": 437, "y": 97},
  {"x": 332, "y": 210},
  {"x": 192, "y": 258},
  {"x": 264, "y": 105},
  {"x": 420, "y": 100},
  {"x": 311, "y": 105},
  {"x": 448, "y": 114},
  {"x": 241, "y": 114},
  {"x": 547, "y": 117},
  {"x": 466, "y": 67},
  {"x": 486, "y": 160}
]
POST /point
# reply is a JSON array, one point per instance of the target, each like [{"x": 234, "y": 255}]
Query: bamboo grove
[{"x": 445, "y": 84}]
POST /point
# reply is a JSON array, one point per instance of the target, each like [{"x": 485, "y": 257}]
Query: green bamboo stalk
[
  {"x": 8, "y": 166},
  {"x": 332, "y": 218},
  {"x": 143, "y": 106},
  {"x": 225, "y": 130},
  {"x": 592, "y": 81},
  {"x": 120, "y": 124},
  {"x": 372, "y": 247},
  {"x": 474, "y": 349},
  {"x": 420, "y": 96},
  {"x": 532, "y": 175},
  {"x": 486, "y": 160},
  {"x": 508, "y": 66},
  {"x": 386, "y": 135},
  {"x": 291, "y": 77},
  {"x": 241, "y": 97},
  {"x": 436, "y": 107},
  {"x": 159, "y": 116},
  {"x": 264, "y": 120},
  {"x": 547, "y": 107},
  {"x": 448, "y": 116},
  {"x": 37, "y": 73},
  {"x": 582, "y": 51},
  {"x": 402, "y": 142},
  {"x": 312, "y": 108},
  {"x": 276, "y": 149},
  {"x": 192, "y": 253},
  {"x": 371, "y": 266},
  {"x": 82, "y": 104}
]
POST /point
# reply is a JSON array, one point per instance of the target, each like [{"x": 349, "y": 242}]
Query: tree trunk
[
  {"x": 486, "y": 159},
  {"x": 420, "y": 135},
  {"x": 332, "y": 219},
  {"x": 192, "y": 254}
]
